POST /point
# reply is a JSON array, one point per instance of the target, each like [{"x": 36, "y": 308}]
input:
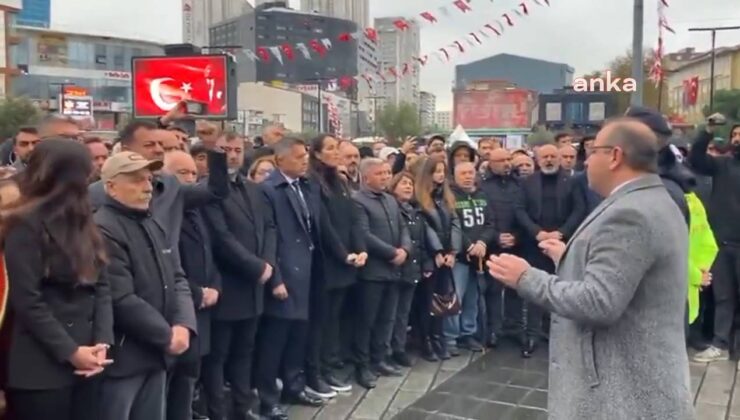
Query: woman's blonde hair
[{"x": 424, "y": 185}]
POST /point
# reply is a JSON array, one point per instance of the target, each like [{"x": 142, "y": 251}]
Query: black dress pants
[
  {"x": 725, "y": 284},
  {"x": 75, "y": 402},
  {"x": 181, "y": 380},
  {"x": 430, "y": 326},
  {"x": 376, "y": 316},
  {"x": 324, "y": 330},
  {"x": 231, "y": 358},
  {"x": 281, "y": 354},
  {"x": 403, "y": 310}
]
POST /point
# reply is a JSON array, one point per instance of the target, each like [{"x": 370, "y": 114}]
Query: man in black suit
[
  {"x": 205, "y": 287},
  {"x": 295, "y": 205},
  {"x": 243, "y": 234},
  {"x": 552, "y": 208}
]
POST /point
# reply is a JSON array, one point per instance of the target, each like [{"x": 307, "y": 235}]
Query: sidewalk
[{"x": 500, "y": 385}]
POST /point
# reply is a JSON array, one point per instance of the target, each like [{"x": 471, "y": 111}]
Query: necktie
[{"x": 301, "y": 199}]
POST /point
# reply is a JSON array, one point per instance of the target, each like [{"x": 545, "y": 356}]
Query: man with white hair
[{"x": 552, "y": 209}]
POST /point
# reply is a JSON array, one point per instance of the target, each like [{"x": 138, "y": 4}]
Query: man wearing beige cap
[{"x": 152, "y": 307}]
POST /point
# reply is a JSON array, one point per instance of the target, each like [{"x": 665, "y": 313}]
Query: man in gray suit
[{"x": 618, "y": 298}]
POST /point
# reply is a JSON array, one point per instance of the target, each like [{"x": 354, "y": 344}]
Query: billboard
[
  {"x": 159, "y": 83},
  {"x": 499, "y": 108}
]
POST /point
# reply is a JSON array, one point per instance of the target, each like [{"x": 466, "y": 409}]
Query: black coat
[
  {"x": 504, "y": 195},
  {"x": 53, "y": 316},
  {"x": 240, "y": 267},
  {"x": 200, "y": 268},
  {"x": 149, "y": 292},
  {"x": 296, "y": 245},
  {"x": 424, "y": 245},
  {"x": 570, "y": 212},
  {"x": 446, "y": 224},
  {"x": 341, "y": 236},
  {"x": 385, "y": 231}
]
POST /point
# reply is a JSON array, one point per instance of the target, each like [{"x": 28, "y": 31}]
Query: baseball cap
[
  {"x": 650, "y": 117},
  {"x": 126, "y": 163}
]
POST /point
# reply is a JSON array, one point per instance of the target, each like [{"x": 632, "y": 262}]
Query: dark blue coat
[{"x": 296, "y": 245}]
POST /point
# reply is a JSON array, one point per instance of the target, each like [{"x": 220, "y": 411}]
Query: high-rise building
[
  {"x": 275, "y": 24},
  {"x": 443, "y": 120},
  {"x": 427, "y": 108},
  {"x": 357, "y": 11},
  {"x": 396, "y": 47},
  {"x": 199, "y": 15}
]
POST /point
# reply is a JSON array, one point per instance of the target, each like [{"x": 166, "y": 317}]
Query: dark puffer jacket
[{"x": 424, "y": 245}]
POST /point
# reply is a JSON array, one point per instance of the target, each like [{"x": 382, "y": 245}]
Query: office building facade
[
  {"x": 427, "y": 109},
  {"x": 357, "y": 11},
  {"x": 396, "y": 47}
]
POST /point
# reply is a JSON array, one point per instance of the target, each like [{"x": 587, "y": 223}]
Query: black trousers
[
  {"x": 403, "y": 310},
  {"x": 75, "y": 402},
  {"x": 324, "y": 330},
  {"x": 725, "y": 284},
  {"x": 181, "y": 380},
  {"x": 430, "y": 326},
  {"x": 231, "y": 358},
  {"x": 375, "y": 318},
  {"x": 281, "y": 353},
  {"x": 495, "y": 306}
]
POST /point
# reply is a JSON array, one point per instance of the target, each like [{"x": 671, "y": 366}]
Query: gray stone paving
[{"x": 424, "y": 389}]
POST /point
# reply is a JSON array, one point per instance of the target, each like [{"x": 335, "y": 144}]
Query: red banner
[
  {"x": 507, "y": 108},
  {"x": 160, "y": 82}
]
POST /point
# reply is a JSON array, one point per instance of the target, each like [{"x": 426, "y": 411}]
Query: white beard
[{"x": 549, "y": 171}]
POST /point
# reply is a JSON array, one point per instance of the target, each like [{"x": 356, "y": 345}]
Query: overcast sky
[{"x": 585, "y": 34}]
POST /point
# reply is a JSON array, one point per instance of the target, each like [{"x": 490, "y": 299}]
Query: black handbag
[{"x": 446, "y": 304}]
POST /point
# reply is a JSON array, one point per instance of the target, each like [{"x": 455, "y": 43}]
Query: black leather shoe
[
  {"x": 337, "y": 384},
  {"x": 274, "y": 413},
  {"x": 198, "y": 416},
  {"x": 402, "y": 359},
  {"x": 303, "y": 398},
  {"x": 427, "y": 351},
  {"x": 366, "y": 379},
  {"x": 471, "y": 344},
  {"x": 492, "y": 340},
  {"x": 440, "y": 348},
  {"x": 385, "y": 369},
  {"x": 528, "y": 348}
]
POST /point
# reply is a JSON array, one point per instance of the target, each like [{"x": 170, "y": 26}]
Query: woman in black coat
[
  {"x": 63, "y": 316},
  {"x": 418, "y": 268},
  {"x": 437, "y": 203},
  {"x": 343, "y": 251}
]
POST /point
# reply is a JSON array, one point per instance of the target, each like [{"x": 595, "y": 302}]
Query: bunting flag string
[{"x": 656, "y": 73}]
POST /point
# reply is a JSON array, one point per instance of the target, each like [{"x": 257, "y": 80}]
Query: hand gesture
[
  {"x": 210, "y": 297},
  {"x": 177, "y": 113},
  {"x": 361, "y": 259},
  {"x": 553, "y": 248},
  {"x": 266, "y": 274},
  {"x": 477, "y": 250},
  {"x": 706, "y": 278},
  {"x": 180, "y": 340},
  {"x": 506, "y": 240},
  {"x": 207, "y": 132},
  {"x": 90, "y": 360},
  {"x": 280, "y": 292},
  {"x": 351, "y": 258},
  {"x": 400, "y": 257},
  {"x": 439, "y": 260},
  {"x": 542, "y": 235},
  {"x": 450, "y": 260},
  {"x": 408, "y": 145},
  {"x": 507, "y": 268}
]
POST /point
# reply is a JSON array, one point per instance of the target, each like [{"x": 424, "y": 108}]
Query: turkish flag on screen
[{"x": 161, "y": 82}]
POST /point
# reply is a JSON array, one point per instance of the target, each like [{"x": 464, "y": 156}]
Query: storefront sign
[
  {"x": 77, "y": 106},
  {"x": 117, "y": 75}
]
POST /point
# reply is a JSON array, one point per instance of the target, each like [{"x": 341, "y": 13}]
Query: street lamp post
[
  {"x": 637, "y": 59},
  {"x": 711, "y": 66}
]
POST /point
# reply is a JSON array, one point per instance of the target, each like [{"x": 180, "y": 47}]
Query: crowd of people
[{"x": 170, "y": 277}]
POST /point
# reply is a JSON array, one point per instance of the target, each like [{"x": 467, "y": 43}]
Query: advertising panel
[
  {"x": 500, "y": 108},
  {"x": 159, "y": 83}
]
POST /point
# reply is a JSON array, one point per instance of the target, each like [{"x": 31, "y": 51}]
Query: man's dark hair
[
  {"x": 231, "y": 136},
  {"x": 560, "y": 136},
  {"x": 640, "y": 151},
  {"x": 26, "y": 130},
  {"x": 286, "y": 144},
  {"x": 126, "y": 136},
  {"x": 198, "y": 149}
]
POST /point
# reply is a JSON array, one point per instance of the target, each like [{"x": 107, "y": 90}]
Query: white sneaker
[{"x": 712, "y": 354}]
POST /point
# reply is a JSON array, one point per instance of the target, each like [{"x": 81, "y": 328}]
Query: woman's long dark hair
[
  {"x": 328, "y": 178},
  {"x": 54, "y": 187},
  {"x": 424, "y": 186}
]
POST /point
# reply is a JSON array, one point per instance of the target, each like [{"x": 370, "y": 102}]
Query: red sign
[
  {"x": 161, "y": 82},
  {"x": 500, "y": 108}
]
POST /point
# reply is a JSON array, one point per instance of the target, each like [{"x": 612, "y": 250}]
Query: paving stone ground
[{"x": 497, "y": 385}]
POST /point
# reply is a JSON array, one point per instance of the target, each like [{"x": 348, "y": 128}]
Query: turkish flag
[
  {"x": 161, "y": 82},
  {"x": 693, "y": 90}
]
